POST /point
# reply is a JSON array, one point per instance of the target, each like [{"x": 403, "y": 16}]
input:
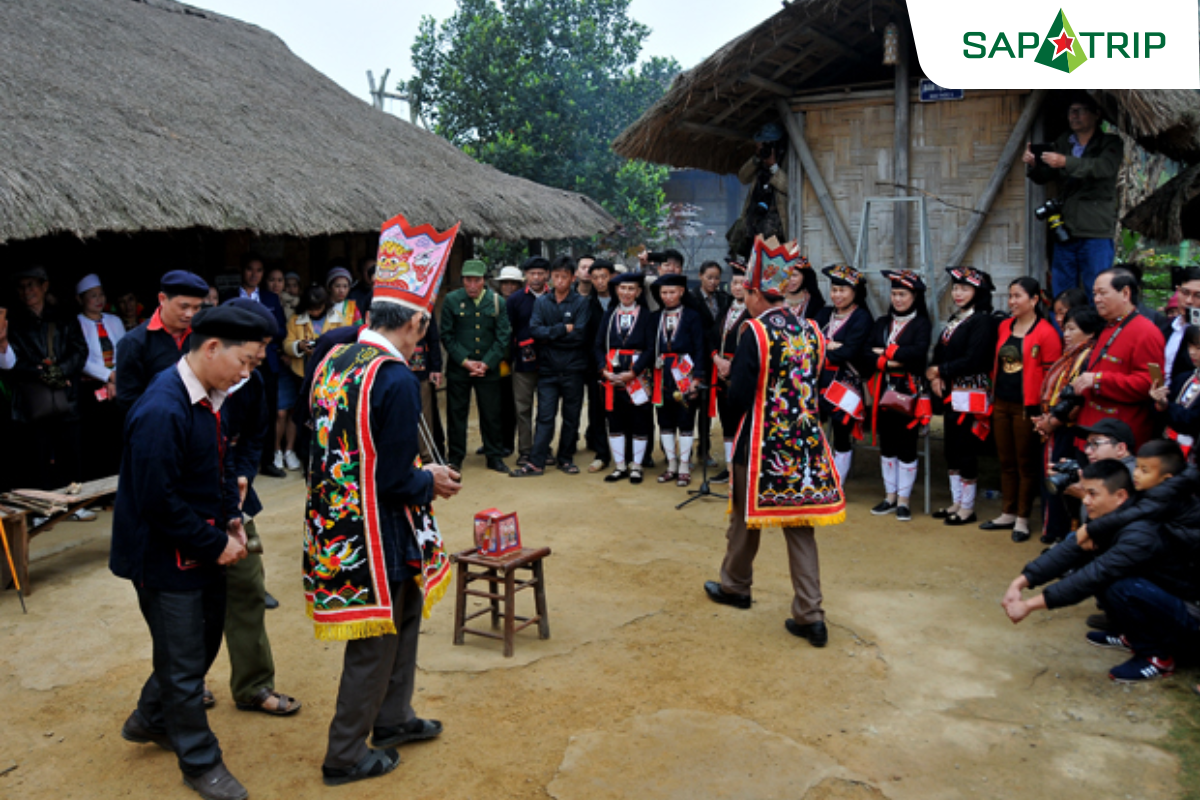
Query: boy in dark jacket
[{"x": 1137, "y": 554}]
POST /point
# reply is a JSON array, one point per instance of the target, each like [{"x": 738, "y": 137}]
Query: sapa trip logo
[{"x": 1062, "y": 48}]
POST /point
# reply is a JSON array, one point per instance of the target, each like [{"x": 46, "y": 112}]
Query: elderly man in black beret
[{"x": 176, "y": 527}]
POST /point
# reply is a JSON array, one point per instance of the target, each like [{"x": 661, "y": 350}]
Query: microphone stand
[{"x": 704, "y": 490}]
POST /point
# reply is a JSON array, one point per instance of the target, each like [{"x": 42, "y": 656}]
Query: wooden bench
[
  {"x": 500, "y": 572},
  {"x": 17, "y": 513}
]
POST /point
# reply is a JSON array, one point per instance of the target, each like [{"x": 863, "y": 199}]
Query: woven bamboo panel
[{"x": 953, "y": 153}]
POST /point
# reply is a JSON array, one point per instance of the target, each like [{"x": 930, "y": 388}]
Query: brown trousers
[
  {"x": 737, "y": 571},
  {"x": 524, "y": 385},
  {"x": 1019, "y": 449}
]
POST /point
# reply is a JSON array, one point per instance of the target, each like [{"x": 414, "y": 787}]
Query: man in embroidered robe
[
  {"x": 371, "y": 544},
  {"x": 790, "y": 481}
]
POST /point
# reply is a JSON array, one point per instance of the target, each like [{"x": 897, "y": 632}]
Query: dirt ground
[{"x": 645, "y": 688}]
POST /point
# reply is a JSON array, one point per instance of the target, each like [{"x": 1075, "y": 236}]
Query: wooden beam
[
  {"x": 712, "y": 130},
  {"x": 900, "y": 143},
  {"x": 836, "y": 43},
  {"x": 1008, "y": 156},
  {"x": 1035, "y": 229},
  {"x": 796, "y": 133},
  {"x": 766, "y": 83},
  {"x": 795, "y": 173}
]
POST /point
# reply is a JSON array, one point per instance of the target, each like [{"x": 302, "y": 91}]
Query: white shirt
[
  {"x": 94, "y": 368},
  {"x": 252, "y": 295},
  {"x": 195, "y": 388},
  {"x": 1178, "y": 326},
  {"x": 8, "y": 359}
]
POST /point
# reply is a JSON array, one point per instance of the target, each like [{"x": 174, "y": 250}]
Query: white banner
[{"x": 1079, "y": 45}]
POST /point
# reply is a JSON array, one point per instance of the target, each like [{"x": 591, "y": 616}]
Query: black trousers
[
  {"x": 271, "y": 390},
  {"x": 508, "y": 414},
  {"x": 51, "y": 454},
  {"x": 458, "y": 409},
  {"x": 896, "y": 439},
  {"x": 626, "y": 418},
  {"x": 596, "y": 441},
  {"x": 553, "y": 388},
  {"x": 378, "y": 675},
  {"x": 962, "y": 446},
  {"x": 186, "y": 629},
  {"x": 843, "y": 431},
  {"x": 104, "y": 421},
  {"x": 676, "y": 417}
]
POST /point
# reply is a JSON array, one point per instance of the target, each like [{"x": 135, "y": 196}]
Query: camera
[
  {"x": 1194, "y": 316},
  {"x": 1065, "y": 473},
  {"x": 1068, "y": 401},
  {"x": 1050, "y": 212}
]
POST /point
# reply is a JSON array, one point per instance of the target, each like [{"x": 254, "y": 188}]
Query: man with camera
[
  {"x": 1082, "y": 164},
  {"x": 765, "y": 212},
  {"x": 1187, "y": 288},
  {"x": 1108, "y": 439}
]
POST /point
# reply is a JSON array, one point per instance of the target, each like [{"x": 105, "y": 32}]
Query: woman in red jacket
[{"x": 1026, "y": 346}]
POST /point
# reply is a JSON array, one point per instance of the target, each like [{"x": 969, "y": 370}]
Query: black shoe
[
  {"x": 955, "y": 519},
  {"x": 417, "y": 730},
  {"x": 272, "y": 471},
  {"x": 616, "y": 475},
  {"x": 941, "y": 513},
  {"x": 270, "y": 601},
  {"x": 992, "y": 525},
  {"x": 134, "y": 731},
  {"x": 498, "y": 465},
  {"x": 376, "y": 763},
  {"x": 719, "y": 595},
  {"x": 479, "y": 452},
  {"x": 816, "y": 632},
  {"x": 1099, "y": 622},
  {"x": 885, "y": 507},
  {"x": 720, "y": 477},
  {"x": 1020, "y": 536},
  {"x": 635, "y": 475},
  {"x": 648, "y": 463},
  {"x": 217, "y": 784},
  {"x": 903, "y": 514},
  {"x": 508, "y": 451}
]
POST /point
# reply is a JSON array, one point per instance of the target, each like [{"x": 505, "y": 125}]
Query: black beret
[
  {"x": 535, "y": 262},
  {"x": 627, "y": 277},
  {"x": 672, "y": 280},
  {"x": 256, "y": 308},
  {"x": 233, "y": 323},
  {"x": 182, "y": 282}
]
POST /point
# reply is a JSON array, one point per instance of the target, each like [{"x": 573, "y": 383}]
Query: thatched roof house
[
  {"x": 857, "y": 131},
  {"x": 150, "y": 115}
]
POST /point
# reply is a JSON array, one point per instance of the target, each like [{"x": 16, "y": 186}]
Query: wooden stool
[{"x": 495, "y": 571}]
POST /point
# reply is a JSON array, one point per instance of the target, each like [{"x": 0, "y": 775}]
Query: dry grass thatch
[
  {"x": 131, "y": 115},
  {"x": 706, "y": 119},
  {"x": 1169, "y": 215}
]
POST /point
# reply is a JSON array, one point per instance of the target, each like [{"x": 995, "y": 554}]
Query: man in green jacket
[
  {"x": 1083, "y": 165},
  {"x": 476, "y": 333}
]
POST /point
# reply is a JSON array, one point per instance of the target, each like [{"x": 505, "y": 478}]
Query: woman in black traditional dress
[
  {"x": 960, "y": 376},
  {"x": 846, "y": 324},
  {"x": 899, "y": 341},
  {"x": 624, "y": 333}
]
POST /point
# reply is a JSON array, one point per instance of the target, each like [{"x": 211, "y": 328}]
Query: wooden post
[
  {"x": 796, "y": 133},
  {"x": 1035, "y": 229},
  {"x": 1013, "y": 148},
  {"x": 795, "y": 172},
  {"x": 900, "y": 142}
]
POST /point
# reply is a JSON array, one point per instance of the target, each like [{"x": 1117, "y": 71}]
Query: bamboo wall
[{"x": 953, "y": 152}]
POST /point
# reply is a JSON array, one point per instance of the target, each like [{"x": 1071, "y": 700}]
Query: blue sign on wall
[{"x": 931, "y": 92}]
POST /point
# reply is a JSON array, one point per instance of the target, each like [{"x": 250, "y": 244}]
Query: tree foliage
[{"x": 539, "y": 89}]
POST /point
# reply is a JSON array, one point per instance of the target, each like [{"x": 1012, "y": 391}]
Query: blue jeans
[
  {"x": 1080, "y": 259},
  {"x": 1156, "y": 623}
]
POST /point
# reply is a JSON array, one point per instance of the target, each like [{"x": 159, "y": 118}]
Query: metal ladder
[{"x": 926, "y": 271}]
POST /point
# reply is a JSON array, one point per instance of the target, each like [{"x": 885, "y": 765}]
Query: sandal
[
  {"x": 569, "y": 468},
  {"x": 527, "y": 471},
  {"x": 284, "y": 705},
  {"x": 668, "y": 476},
  {"x": 684, "y": 479},
  {"x": 374, "y": 764}
]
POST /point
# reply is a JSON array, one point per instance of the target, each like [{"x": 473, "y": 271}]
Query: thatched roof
[
  {"x": 706, "y": 119},
  {"x": 1171, "y": 214},
  {"x": 132, "y": 115}
]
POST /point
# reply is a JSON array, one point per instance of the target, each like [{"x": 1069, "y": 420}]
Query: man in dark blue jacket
[
  {"x": 160, "y": 341},
  {"x": 559, "y": 327},
  {"x": 175, "y": 529},
  {"x": 524, "y": 351},
  {"x": 1139, "y": 551}
]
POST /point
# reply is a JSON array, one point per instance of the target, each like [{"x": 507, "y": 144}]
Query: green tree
[{"x": 540, "y": 88}]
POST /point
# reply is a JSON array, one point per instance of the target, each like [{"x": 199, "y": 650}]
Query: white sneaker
[
  {"x": 278, "y": 459},
  {"x": 83, "y": 515},
  {"x": 292, "y": 461}
]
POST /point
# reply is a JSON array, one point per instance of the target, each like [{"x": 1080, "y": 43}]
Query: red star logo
[{"x": 1063, "y": 44}]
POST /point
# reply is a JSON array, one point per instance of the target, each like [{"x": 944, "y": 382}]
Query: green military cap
[{"x": 474, "y": 269}]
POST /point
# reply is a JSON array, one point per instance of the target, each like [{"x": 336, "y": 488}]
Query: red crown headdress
[
  {"x": 771, "y": 263},
  {"x": 411, "y": 263}
]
